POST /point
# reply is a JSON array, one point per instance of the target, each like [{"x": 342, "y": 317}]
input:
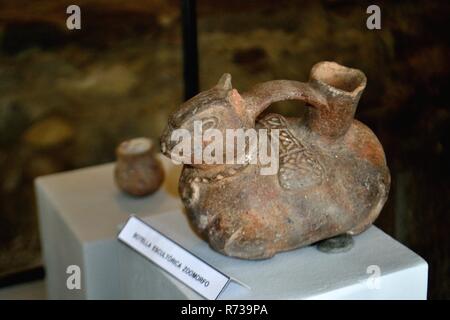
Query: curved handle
[
  {"x": 333, "y": 92},
  {"x": 261, "y": 96}
]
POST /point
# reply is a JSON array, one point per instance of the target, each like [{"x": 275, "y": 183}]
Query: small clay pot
[{"x": 137, "y": 171}]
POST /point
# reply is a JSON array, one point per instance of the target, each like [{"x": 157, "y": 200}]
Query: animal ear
[
  {"x": 236, "y": 101},
  {"x": 232, "y": 95},
  {"x": 225, "y": 82}
]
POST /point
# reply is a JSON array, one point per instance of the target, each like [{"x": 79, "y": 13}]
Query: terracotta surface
[
  {"x": 137, "y": 171},
  {"x": 332, "y": 177}
]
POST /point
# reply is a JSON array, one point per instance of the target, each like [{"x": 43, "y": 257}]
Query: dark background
[{"x": 68, "y": 97}]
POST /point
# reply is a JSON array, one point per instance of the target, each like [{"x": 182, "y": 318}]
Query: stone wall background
[{"x": 67, "y": 98}]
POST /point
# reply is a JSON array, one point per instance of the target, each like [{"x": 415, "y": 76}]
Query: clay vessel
[
  {"x": 332, "y": 177},
  {"x": 137, "y": 171}
]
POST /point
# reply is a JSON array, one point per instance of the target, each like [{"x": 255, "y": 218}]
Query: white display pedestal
[
  {"x": 299, "y": 274},
  {"x": 81, "y": 211}
]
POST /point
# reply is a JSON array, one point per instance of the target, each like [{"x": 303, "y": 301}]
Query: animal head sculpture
[
  {"x": 219, "y": 108},
  {"x": 332, "y": 177}
]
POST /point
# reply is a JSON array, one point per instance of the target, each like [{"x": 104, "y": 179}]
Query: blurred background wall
[{"x": 68, "y": 97}]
